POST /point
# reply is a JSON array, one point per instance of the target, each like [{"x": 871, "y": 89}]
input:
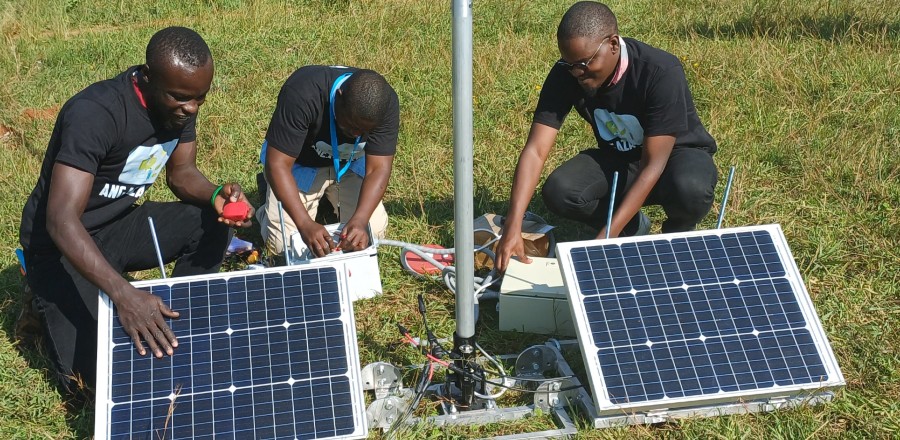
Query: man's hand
[
  {"x": 354, "y": 236},
  {"x": 230, "y": 193},
  {"x": 511, "y": 244},
  {"x": 602, "y": 234},
  {"x": 317, "y": 238},
  {"x": 142, "y": 316}
]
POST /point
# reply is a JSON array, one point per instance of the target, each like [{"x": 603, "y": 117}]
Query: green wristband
[{"x": 212, "y": 200}]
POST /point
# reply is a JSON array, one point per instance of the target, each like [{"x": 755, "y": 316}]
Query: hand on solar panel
[
  {"x": 143, "y": 316},
  {"x": 354, "y": 236},
  {"x": 602, "y": 234},
  {"x": 510, "y": 245},
  {"x": 232, "y": 193},
  {"x": 317, "y": 238}
]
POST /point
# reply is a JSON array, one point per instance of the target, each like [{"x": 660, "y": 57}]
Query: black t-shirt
[
  {"x": 103, "y": 130},
  {"x": 651, "y": 98},
  {"x": 301, "y": 125}
]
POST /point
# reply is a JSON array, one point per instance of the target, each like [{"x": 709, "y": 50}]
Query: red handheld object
[{"x": 236, "y": 211}]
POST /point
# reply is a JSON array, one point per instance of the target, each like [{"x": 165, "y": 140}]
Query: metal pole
[
  {"x": 463, "y": 193},
  {"x": 612, "y": 202},
  {"x": 725, "y": 198},
  {"x": 162, "y": 266}
]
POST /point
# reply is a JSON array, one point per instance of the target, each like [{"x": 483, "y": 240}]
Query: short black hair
[
  {"x": 587, "y": 19},
  {"x": 367, "y": 95},
  {"x": 177, "y": 43}
]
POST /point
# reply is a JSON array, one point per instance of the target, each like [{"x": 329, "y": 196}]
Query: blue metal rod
[
  {"x": 162, "y": 267},
  {"x": 612, "y": 202},
  {"x": 725, "y": 198},
  {"x": 284, "y": 243}
]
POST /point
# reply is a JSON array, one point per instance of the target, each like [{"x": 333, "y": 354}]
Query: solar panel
[
  {"x": 261, "y": 354},
  {"x": 693, "y": 319}
]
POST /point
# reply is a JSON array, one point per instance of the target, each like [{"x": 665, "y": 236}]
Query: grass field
[{"x": 802, "y": 96}]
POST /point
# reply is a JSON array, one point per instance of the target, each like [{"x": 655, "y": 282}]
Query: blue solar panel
[
  {"x": 268, "y": 354},
  {"x": 688, "y": 316}
]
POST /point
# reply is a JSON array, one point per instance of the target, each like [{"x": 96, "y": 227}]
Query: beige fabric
[{"x": 344, "y": 194}]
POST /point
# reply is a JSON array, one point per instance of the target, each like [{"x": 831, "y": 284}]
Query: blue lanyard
[{"x": 334, "y": 145}]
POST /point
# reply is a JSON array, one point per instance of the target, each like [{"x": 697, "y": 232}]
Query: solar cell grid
[
  {"x": 697, "y": 315},
  {"x": 268, "y": 354}
]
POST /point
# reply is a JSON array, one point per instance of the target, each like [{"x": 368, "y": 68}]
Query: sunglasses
[{"x": 582, "y": 66}]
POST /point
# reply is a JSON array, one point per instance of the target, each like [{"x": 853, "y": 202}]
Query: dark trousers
[
  {"x": 579, "y": 188},
  {"x": 68, "y": 303}
]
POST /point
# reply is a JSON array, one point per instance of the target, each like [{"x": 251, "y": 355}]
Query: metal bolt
[
  {"x": 554, "y": 401},
  {"x": 389, "y": 419},
  {"x": 535, "y": 366},
  {"x": 554, "y": 386},
  {"x": 381, "y": 369},
  {"x": 388, "y": 406},
  {"x": 536, "y": 352}
]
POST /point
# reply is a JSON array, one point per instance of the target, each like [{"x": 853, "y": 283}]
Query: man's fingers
[
  {"x": 170, "y": 336},
  {"x": 164, "y": 334},
  {"x": 235, "y": 193},
  {"x": 136, "y": 340},
  {"x": 166, "y": 311},
  {"x": 354, "y": 240},
  {"x": 151, "y": 342},
  {"x": 162, "y": 340},
  {"x": 319, "y": 247}
]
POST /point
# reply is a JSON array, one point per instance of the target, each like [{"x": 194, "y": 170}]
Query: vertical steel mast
[{"x": 464, "y": 338}]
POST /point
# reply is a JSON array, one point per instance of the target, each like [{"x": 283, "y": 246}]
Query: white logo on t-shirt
[
  {"x": 344, "y": 150},
  {"x": 144, "y": 163},
  {"x": 141, "y": 169},
  {"x": 624, "y": 130}
]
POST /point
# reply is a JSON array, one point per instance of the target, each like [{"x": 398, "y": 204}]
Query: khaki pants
[{"x": 344, "y": 195}]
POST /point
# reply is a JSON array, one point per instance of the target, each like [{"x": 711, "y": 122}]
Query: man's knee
[
  {"x": 209, "y": 231},
  {"x": 555, "y": 194},
  {"x": 271, "y": 234},
  {"x": 379, "y": 222},
  {"x": 274, "y": 244},
  {"x": 693, "y": 195},
  {"x": 565, "y": 197}
]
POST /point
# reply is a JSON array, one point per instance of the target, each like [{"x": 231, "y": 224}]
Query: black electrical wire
[
  {"x": 421, "y": 387},
  {"x": 440, "y": 352}
]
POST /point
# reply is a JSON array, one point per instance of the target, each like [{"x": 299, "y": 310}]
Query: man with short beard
[
  {"x": 81, "y": 228},
  {"x": 636, "y": 99}
]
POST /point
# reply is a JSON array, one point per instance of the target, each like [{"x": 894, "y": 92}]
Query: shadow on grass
[
  {"x": 29, "y": 343},
  {"x": 764, "y": 24}
]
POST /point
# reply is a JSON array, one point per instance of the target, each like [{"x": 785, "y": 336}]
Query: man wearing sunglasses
[
  {"x": 333, "y": 134},
  {"x": 636, "y": 99}
]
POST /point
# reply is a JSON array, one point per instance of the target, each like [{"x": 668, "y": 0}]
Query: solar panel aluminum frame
[
  {"x": 105, "y": 327},
  {"x": 730, "y": 402}
]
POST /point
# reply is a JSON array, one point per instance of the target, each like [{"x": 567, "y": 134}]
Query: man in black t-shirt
[
  {"x": 333, "y": 134},
  {"x": 636, "y": 99},
  {"x": 80, "y": 227}
]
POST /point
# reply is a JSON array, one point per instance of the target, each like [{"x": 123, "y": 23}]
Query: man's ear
[
  {"x": 614, "y": 44},
  {"x": 145, "y": 73},
  {"x": 338, "y": 100}
]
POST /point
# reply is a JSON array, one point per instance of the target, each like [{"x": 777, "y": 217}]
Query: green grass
[{"x": 803, "y": 97}]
